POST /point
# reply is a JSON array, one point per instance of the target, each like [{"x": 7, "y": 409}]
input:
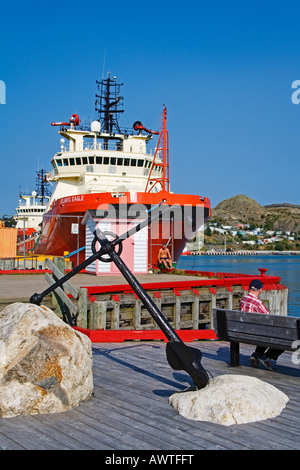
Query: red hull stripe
[{"x": 119, "y": 336}]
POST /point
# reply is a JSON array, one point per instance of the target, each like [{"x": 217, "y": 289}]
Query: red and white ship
[{"x": 105, "y": 177}]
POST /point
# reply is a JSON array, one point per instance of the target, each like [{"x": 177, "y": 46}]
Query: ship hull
[{"x": 182, "y": 217}]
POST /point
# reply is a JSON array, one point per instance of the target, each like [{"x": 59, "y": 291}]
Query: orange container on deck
[{"x": 8, "y": 241}]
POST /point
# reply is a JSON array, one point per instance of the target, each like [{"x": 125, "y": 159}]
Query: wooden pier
[
  {"x": 130, "y": 410},
  {"x": 133, "y": 380}
]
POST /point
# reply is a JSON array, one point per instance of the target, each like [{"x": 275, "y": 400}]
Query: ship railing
[
  {"x": 111, "y": 146},
  {"x": 92, "y": 146}
]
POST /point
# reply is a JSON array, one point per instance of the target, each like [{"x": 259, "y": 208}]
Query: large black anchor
[{"x": 179, "y": 355}]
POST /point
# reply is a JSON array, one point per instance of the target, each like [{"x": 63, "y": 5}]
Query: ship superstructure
[
  {"x": 103, "y": 158},
  {"x": 105, "y": 166},
  {"x": 30, "y": 211}
]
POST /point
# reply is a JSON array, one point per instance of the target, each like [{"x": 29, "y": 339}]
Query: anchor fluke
[{"x": 183, "y": 357}]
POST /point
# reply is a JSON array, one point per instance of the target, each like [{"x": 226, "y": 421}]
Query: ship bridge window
[
  {"x": 113, "y": 160},
  {"x": 91, "y": 160},
  {"x": 84, "y": 160},
  {"x": 66, "y": 162},
  {"x": 72, "y": 161},
  {"x": 133, "y": 162},
  {"x": 78, "y": 161},
  {"x": 99, "y": 160},
  {"x": 120, "y": 161},
  {"x": 126, "y": 161},
  {"x": 59, "y": 162},
  {"x": 140, "y": 163},
  {"x": 106, "y": 160}
]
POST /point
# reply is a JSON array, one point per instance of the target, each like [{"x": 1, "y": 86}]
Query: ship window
[
  {"x": 58, "y": 162},
  {"x": 99, "y": 160},
  {"x": 113, "y": 160},
  {"x": 126, "y": 161},
  {"x": 140, "y": 163},
  {"x": 120, "y": 161},
  {"x": 78, "y": 161},
  {"x": 66, "y": 162},
  {"x": 133, "y": 162},
  {"x": 149, "y": 164},
  {"x": 84, "y": 160},
  {"x": 72, "y": 161},
  {"x": 106, "y": 160},
  {"x": 91, "y": 160}
]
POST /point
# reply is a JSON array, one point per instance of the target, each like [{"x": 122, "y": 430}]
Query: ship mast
[
  {"x": 42, "y": 185},
  {"x": 106, "y": 104},
  {"x": 162, "y": 151}
]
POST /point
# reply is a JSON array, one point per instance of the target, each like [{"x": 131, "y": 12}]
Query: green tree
[
  {"x": 207, "y": 231},
  {"x": 279, "y": 246},
  {"x": 8, "y": 221}
]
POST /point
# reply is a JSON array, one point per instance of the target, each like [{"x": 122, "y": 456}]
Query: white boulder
[
  {"x": 231, "y": 399},
  {"x": 45, "y": 365}
]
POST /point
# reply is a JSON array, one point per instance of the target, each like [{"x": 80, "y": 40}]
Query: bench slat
[
  {"x": 261, "y": 341},
  {"x": 270, "y": 331},
  {"x": 259, "y": 318}
]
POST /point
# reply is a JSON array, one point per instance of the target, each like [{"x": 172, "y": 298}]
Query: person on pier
[
  {"x": 252, "y": 303},
  {"x": 164, "y": 257}
]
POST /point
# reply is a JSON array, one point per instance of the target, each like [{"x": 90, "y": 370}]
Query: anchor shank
[{"x": 145, "y": 298}]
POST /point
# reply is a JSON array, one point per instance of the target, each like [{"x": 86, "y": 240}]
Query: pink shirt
[{"x": 251, "y": 303}]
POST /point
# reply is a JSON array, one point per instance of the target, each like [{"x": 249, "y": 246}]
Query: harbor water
[{"x": 287, "y": 267}]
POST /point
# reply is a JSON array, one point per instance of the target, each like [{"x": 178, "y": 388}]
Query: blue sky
[{"x": 223, "y": 69}]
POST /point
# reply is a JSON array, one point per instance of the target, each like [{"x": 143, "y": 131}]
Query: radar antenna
[{"x": 107, "y": 102}]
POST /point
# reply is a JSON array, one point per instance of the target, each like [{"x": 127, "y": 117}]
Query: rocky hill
[{"x": 243, "y": 209}]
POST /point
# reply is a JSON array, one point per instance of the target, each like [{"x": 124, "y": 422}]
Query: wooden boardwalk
[{"x": 130, "y": 410}]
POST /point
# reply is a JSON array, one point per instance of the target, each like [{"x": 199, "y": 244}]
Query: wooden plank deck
[{"x": 130, "y": 410}]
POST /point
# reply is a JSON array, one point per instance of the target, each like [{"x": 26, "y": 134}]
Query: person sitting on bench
[
  {"x": 164, "y": 257},
  {"x": 252, "y": 303}
]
